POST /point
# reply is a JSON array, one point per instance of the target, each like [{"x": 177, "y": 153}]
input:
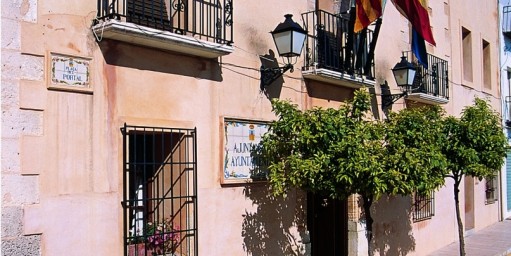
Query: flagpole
[{"x": 370, "y": 56}]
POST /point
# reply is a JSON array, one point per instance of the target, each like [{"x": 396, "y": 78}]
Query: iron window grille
[
  {"x": 332, "y": 45},
  {"x": 209, "y": 20},
  {"x": 432, "y": 80},
  {"x": 423, "y": 206},
  {"x": 159, "y": 189},
  {"x": 491, "y": 190}
]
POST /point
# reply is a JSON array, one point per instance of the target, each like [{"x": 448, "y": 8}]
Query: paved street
[{"x": 494, "y": 240}]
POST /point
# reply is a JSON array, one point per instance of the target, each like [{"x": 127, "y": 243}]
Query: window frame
[
  {"x": 467, "y": 55},
  {"x": 491, "y": 190},
  {"x": 423, "y": 206},
  {"x": 159, "y": 190}
]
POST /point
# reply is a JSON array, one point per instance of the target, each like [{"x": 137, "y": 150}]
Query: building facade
[{"x": 121, "y": 114}]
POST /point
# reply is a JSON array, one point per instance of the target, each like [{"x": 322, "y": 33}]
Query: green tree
[
  {"x": 340, "y": 152},
  {"x": 475, "y": 146}
]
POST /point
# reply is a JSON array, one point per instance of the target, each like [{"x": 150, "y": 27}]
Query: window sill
[
  {"x": 488, "y": 202},
  {"x": 337, "y": 78},
  {"x": 154, "y": 38},
  {"x": 426, "y": 98}
]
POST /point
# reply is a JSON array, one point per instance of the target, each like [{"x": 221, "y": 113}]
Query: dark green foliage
[
  {"x": 414, "y": 139},
  {"x": 339, "y": 152},
  {"x": 475, "y": 146}
]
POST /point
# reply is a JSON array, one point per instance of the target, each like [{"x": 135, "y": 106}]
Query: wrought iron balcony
[
  {"x": 196, "y": 27},
  {"x": 335, "y": 54},
  {"x": 506, "y": 21},
  {"x": 431, "y": 85}
]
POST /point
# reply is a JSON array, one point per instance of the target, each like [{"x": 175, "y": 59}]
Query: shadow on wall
[
  {"x": 374, "y": 104},
  {"x": 385, "y": 92},
  {"x": 328, "y": 92},
  {"x": 273, "y": 90},
  {"x": 144, "y": 58},
  {"x": 277, "y": 226},
  {"x": 392, "y": 226}
]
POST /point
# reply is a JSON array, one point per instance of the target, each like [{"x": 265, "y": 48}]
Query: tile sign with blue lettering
[
  {"x": 241, "y": 163},
  {"x": 69, "y": 71}
]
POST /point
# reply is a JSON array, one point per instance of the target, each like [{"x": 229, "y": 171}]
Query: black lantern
[
  {"x": 404, "y": 73},
  {"x": 289, "y": 38}
]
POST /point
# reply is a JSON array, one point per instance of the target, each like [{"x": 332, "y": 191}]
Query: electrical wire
[
  {"x": 473, "y": 89},
  {"x": 238, "y": 66}
]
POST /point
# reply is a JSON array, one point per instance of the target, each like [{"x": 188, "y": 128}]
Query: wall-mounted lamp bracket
[
  {"x": 404, "y": 73},
  {"x": 269, "y": 75},
  {"x": 389, "y": 99}
]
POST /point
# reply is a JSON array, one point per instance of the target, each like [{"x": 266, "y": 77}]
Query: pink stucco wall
[{"x": 69, "y": 177}]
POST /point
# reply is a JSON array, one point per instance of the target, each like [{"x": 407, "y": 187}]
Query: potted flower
[
  {"x": 159, "y": 238},
  {"x": 163, "y": 237}
]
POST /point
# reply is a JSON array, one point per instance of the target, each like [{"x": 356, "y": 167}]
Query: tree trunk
[
  {"x": 368, "y": 201},
  {"x": 457, "y": 182}
]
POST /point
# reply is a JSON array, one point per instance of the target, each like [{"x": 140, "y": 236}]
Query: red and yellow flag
[
  {"x": 367, "y": 11},
  {"x": 416, "y": 11}
]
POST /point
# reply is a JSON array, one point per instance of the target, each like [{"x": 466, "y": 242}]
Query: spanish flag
[
  {"x": 367, "y": 11},
  {"x": 416, "y": 11}
]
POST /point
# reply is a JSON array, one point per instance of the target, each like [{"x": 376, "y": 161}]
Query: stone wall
[{"x": 19, "y": 189}]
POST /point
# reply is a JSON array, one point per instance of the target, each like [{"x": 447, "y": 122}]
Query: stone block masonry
[{"x": 18, "y": 190}]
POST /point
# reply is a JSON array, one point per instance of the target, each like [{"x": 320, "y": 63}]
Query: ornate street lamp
[
  {"x": 404, "y": 73},
  {"x": 289, "y": 38}
]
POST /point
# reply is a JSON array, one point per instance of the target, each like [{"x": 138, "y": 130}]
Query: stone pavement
[{"x": 494, "y": 240}]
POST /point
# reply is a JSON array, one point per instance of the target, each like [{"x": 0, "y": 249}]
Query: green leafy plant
[
  {"x": 344, "y": 151},
  {"x": 475, "y": 146}
]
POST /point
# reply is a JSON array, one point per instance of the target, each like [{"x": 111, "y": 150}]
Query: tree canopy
[
  {"x": 344, "y": 151},
  {"x": 475, "y": 146},
  {"x": 339, "y": 152}
]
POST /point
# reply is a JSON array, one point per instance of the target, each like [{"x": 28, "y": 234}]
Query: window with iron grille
[
  {"x": 160, "y": 191},
  {"x": 423, "y": 206},
  {"x": 491, "y": 190}
]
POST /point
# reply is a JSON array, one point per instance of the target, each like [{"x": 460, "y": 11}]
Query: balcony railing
[
  {"x": 206, "y": 20},
  {"x": 506, "y": 21},
  {"x": 432, "y": 81},
  {"x": 332, "y": 45}
]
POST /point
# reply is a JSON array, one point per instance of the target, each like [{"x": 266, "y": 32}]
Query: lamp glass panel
[
  {"x": 298, "y": 39},
  {"x": 401, "y": 76},
  {"x": 283, "y": 42},
  {"x": 411, "y": 76}
]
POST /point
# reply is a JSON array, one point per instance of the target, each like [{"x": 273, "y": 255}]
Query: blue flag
[{"x": 419, "y": 48}]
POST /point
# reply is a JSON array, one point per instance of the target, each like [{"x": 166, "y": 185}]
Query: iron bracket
[
  {"x": 389, "y": 99},
  {"x": 269, "y": 75}
]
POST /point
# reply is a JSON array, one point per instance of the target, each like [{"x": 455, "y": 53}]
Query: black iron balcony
[
  {"x": 334, "y": 53},
  {"x": 431, "y": 85},
  {"x": 506, "y": 21},
  {"x": 202, "y": 28}
]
